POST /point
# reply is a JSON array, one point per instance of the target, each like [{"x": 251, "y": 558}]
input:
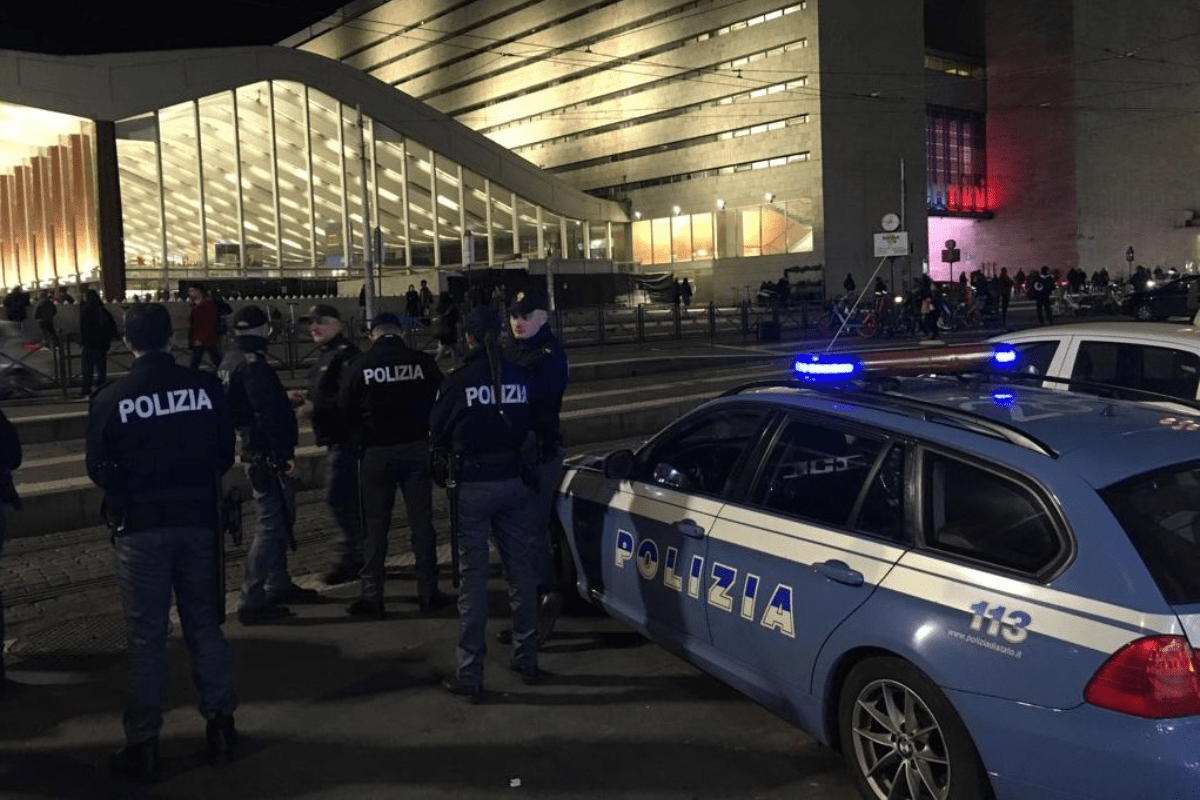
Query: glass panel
[
  {"x": 573, "y": 247},
  {"x": 475, "y": 209},
  {"x": 352, "y": 164},
  {"x": 774, "y": 231},
  {"x": 816, "y": 473},
  {"x": 597, "y": 240},
  {"x": 681, "y": 238},
  {"x": 799, "y": 226},
  {"x": 502, "y": 227},
  {"x": 527, "y": 244},
  {"x": 552, "y": 235},
  {"x": 220, "y": 184},
  {"x": 291, "y": 142},
  {"x": 751, "y": 234},
  {"x": 389, "y": 214},
  {"x": 420, "y": 203},
  {"x": 139, "y": 204},
  {"x": 702, "y": 243},
  {"x": 982, "y": 515},
  {"x": 641, "y": 242},
  {"x": 701, "y": 455},
  {"x": 258, "y": 182},
  {"x": 181, "y": 177},
  {"x": 326, "y": 178},
  {"x": 449, "y": 226},
  {"x": 622, "y": 247},
  {"x": 661, "y": 231},
  {"x": 1163, "y": 370}
]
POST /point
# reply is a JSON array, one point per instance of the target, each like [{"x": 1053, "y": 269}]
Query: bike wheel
[{"x": 869, "y": 326}]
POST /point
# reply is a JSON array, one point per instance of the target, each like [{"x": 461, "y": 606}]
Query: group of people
[{"x": 160, "y": 440}]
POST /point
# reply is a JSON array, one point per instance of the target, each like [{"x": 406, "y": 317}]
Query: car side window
[
  {"x": 882, "y": 512},
  {"x": 1035, "y": 357},
  {"x": 1165, "y": 370},
  {"x": 815, "y": 472},
  {"x": 700, "y": 455},
  {"x": 981, "y": 514}
]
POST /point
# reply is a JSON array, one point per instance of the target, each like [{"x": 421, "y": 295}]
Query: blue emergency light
[{"x": 835, "y": 368}]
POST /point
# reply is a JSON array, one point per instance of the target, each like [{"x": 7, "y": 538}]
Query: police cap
[
  {"x": 530, "y": 300},
  {"x": 323, "y": 311},
  {"x": 385, "y": 318},
  {"x": 480, "y": 321},
  {"x": 248, "y": 318},
  {"x": 147, "y": 326}
]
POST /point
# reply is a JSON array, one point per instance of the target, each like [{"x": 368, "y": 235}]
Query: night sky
[{"x": 92, "y": 26}]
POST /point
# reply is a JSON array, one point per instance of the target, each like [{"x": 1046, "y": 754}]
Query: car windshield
[{"x": 1161, "y": 513}]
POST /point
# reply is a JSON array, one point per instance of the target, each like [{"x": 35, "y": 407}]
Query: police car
[{"x": 973, "y": 587}]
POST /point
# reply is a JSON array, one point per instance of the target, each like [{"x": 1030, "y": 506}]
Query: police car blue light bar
[{"x": 832, "y": 368}]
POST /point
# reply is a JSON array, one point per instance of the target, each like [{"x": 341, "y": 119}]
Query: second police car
[{"x": 972, "y": 587}]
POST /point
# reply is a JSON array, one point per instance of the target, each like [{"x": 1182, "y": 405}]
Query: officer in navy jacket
[
  {"x": 266, "y": 424},
  {"x": 320, "y": 406},
  {"x": 385, "y": 399},
  {"x": 482, "y": 416},
  {"x": 158, "y": 442},
  {"x": 537, "y": 349}
]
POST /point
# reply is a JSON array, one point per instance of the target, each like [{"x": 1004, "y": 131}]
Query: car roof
[
  {"x": 1103, "y": 440},
  {"x": 1131, "y": 330}
]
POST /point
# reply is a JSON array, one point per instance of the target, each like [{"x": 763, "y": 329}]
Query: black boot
[
  {"x": 222, "y": 739},
  {"x": 137, "y": 762}
]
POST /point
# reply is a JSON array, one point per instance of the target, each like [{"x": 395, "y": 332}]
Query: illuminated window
[{"x": 955, "y": 162}]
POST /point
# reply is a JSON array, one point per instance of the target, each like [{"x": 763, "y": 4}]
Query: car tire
[
  {"x": 1143, "y": 313},
  {"x": 901, "y": 738}
]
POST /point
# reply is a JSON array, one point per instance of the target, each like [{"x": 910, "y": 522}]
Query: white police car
[{"x": 972, "y": 587}]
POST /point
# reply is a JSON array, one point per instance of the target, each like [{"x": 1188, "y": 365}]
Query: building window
[{"x": 955, "y": 163}]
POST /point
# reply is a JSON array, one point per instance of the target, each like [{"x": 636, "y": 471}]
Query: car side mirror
[{"x": 619, "y": 464}]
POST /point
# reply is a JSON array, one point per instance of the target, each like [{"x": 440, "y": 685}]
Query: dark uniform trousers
[
  {"x": 266, "y": 572},
  {"x": 383, "y": 469},
  {"x": 341, "y": 493},
  {"x": 499, "y": 510},
  {"x": 550, "y": 474},
  {"x": 150, "y": 564}
]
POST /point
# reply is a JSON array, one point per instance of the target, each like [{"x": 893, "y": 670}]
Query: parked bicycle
[{"x": 843, "y": 316}]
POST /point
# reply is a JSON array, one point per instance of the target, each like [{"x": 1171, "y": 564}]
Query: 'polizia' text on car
[{"x": 972, "y": 587}]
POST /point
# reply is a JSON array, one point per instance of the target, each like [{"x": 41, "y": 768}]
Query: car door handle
[
  {"x": 839, "y": 571},
  {"x": 689, "y": 528}
]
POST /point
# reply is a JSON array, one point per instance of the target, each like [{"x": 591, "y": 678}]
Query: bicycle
[{"x": 862, "y": 321}]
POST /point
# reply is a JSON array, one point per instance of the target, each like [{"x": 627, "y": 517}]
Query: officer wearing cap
[
  {"x": 385, "y": 399},
  {"x": 320, "y": 405},
  {"x": 482, "y": 417},
  {"x": 263, "y": 416},
  {"x": 537, "y": 349},
  {"x": 158, "y": 443}
]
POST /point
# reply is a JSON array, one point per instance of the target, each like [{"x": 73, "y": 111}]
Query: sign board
[
  {"x": 951, "y": 255},
  {"x": 891, "y": 244}
]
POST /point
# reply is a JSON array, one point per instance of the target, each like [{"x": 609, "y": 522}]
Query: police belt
[
  {"x": 472, "y": 467},
  {"x": 170, "y": 508}
]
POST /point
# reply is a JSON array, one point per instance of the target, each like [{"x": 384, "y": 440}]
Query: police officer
[
  {"x": 320, "y": 405},
  {"x": 263, "y": 415},
  {"x": 482, "y": 418},
  {"x": 10, "y": 459},
  {"x": 537, "y": 349},
  {"x": 385, "y": 399},
  {"x": 158, "y": 443}
]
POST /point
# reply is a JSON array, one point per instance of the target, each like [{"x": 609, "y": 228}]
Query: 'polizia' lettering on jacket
[
  {"x": 394, "y": 373},
  {"x": 510, "y": 394},
  {"x": 160, "y": 404}
]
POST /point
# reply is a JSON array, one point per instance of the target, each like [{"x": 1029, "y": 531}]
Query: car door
[
  {"x": 823, "y": 522},
  {"x": 656, "y": 524}
]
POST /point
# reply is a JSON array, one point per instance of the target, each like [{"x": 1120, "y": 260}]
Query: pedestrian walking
[
  {"x": 537, "y": 349},
  {"x": 481, "y": 420},
  {"x": 158, "y": 442},
  {"x": 1042, "y": 289},
  {"x": 1006, "y": 285},
  {"x": 97, "y": 330},
  {"x": 319, "y": 405},
  {"x": 44, "y": 312},
  {"x": 266, "y": 424},
  {"x": 10, "y": 460},
  {"x": 386, "y": 399},
  {"x": 203, "y": 337}
]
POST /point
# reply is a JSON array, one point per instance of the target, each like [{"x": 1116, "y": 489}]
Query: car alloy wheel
[
  {"x": 903, "y": 740},
  {"x": 1144, "y": 312}
]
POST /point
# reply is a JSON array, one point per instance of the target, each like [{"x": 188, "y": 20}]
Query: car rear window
[
  {"x": 1165, "y": 370},
  {"x": 1161, "y": 514}
]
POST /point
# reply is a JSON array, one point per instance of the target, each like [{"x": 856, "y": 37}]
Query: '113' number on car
[{"x": 1014, "y": 630}]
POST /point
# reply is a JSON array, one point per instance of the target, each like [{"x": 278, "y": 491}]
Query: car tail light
[{"x": 1156, "y": 677}]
